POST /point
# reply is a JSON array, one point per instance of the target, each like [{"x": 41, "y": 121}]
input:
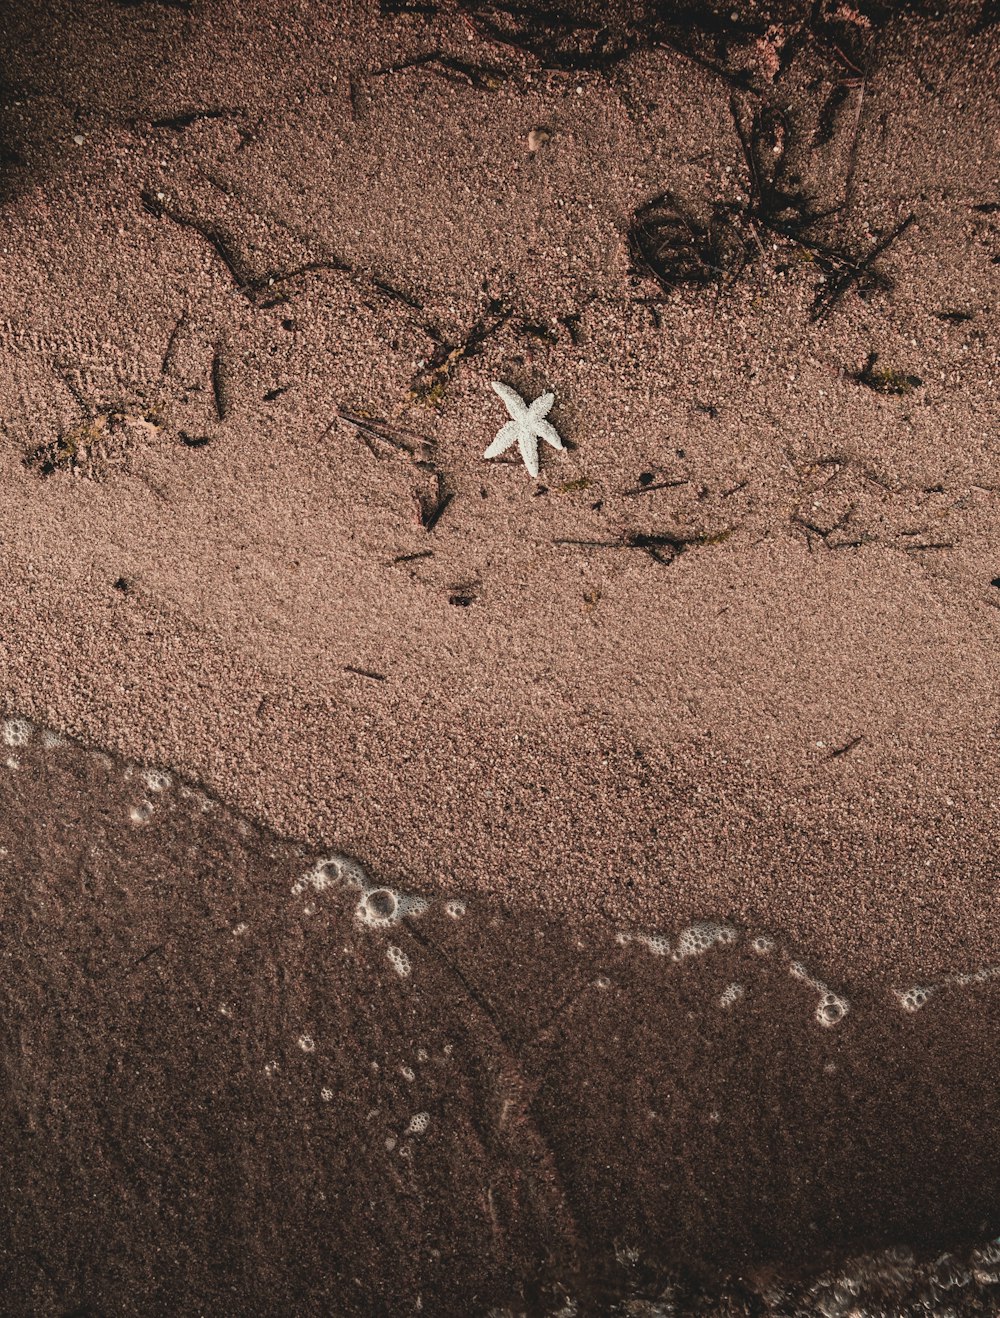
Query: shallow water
[{"x": 240, "y": 1075}]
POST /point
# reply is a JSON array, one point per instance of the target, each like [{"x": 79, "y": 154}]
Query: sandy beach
[{"x": 730, "y": 660}]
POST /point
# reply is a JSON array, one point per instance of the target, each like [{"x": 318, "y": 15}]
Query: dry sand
[
  {"x": 233, "y": 223},
  {"x": 594, "y": 729}
]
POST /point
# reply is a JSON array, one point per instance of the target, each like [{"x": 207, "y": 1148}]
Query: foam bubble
[
  {"x": 381, "y": 907},
  {"x": 407, "y": 1072},
  {"x": 701, "y": 937},
  {"x": 16, "y": 731},
  {"x": 51, "y": 740},
  {"x": 762, "y": 945},
  {"x": 980, "y": 976},
  {"x": 656, "y": 943},
  {"x": 418, "y": 1123},
  {"x": 336, "y": 869},
  {"x": 307, "y": 1043},
  {"x": 326, "y": 1095},
  {"x": 378, "y": 906},
  {"x": 731, "y": 994},
  {"x": 832, "y": 1007},
  {"x": 142, "y": 813},
  {"x": 454, "y": 910},
  {"x": 912, "y": 999},
  {"x": 399, "y": 961},
  {"x": 156, "y": 780}
]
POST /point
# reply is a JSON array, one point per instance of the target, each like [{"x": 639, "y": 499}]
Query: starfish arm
[
  {"x": 528, "y": 445},
  {"x": 549, "y": 433},
  {"x": 541, "y": 406},
  {"x": 512, "y": 400},
  {"x": 505, "y": 436}
]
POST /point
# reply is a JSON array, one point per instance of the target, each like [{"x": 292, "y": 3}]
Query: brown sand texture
[{"x": 699, "y": 729}]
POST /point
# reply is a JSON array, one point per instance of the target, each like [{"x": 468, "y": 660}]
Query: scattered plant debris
[
  {"x": 431, "y": 380},
  {"x": 885, "y": 381},
  {"x": 838, "y": 280},
  {"x": 555, "y": 36},
  {"x": 95, "y": 447}
]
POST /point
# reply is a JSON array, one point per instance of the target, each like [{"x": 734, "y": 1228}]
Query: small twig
[
  {"x": 219, "y": 391},
  {"x": 168, "y": 351},
  {"x": 431, "y": 509},
  {"x": 843, "y": 750},
  {"x": 659, "y": 485},
  {"x": 395, "y": 436},
  {"x": 365, "y": 672},
  {"x": 836, "y": 287}
]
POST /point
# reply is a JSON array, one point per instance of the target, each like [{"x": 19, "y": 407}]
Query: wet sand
[
  {"x": 242, "y": 1078},
  {"x": 731, "y": 658}
]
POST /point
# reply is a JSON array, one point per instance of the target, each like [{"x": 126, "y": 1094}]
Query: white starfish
[{"x": 527, "y": 426}]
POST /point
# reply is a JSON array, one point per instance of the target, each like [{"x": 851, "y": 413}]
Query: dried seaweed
[
  {"x": 776, "y": 200},
  {"x": 555, "y": 36},
  {"x": 669, "y": 245}
]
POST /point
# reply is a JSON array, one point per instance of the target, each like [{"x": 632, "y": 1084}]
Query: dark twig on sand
[
  {"x": 454, "y": 70},
  {"x": 397, "y": 437},
  {"x": 224, "y": 246},
  {"x": 845, "y": 749},
  {"x": 220, "y": 392},
  {"x": 365, "y": 672},
  {"x": 431, "y": 507},
  {"x": 835, "y": 285},
  {"x": 664, "y": 547}
]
